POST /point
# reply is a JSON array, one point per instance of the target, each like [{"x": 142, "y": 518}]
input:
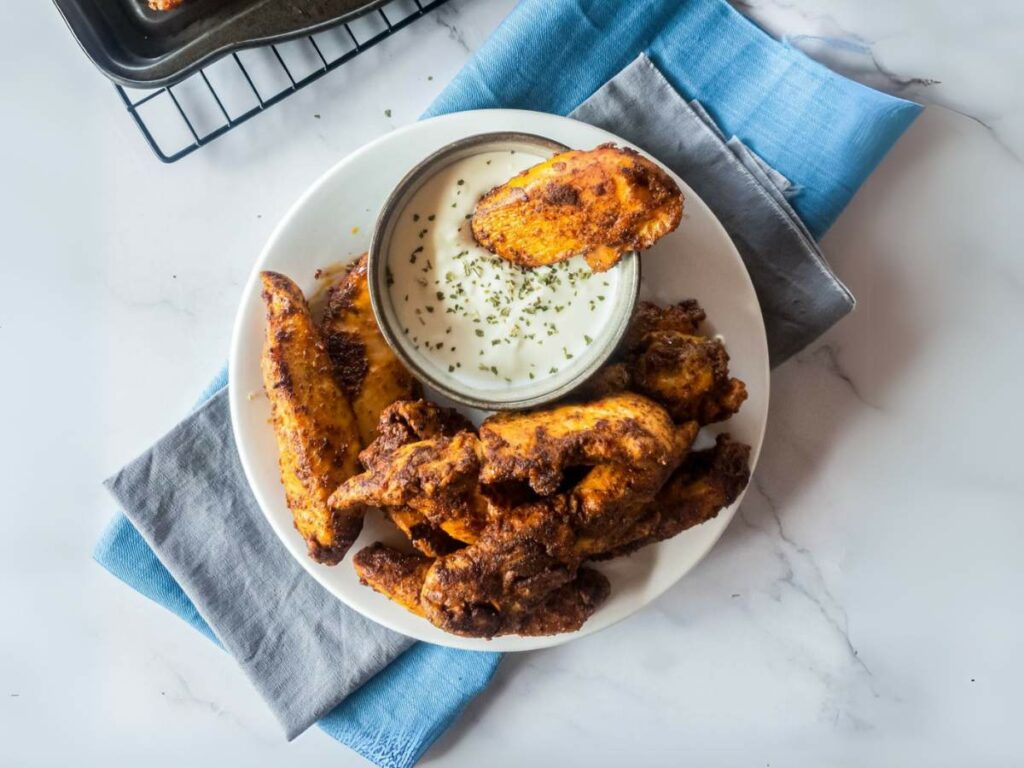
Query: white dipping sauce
[{"x": 474, "y": 316}]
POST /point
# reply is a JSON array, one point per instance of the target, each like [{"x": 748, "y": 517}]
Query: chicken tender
[
  {"x": 689, "y": 375},
  {"x": 316, "y": 431},
  {"x": 400, "y": 576},
  {"x": 409, "y": 421},
  {"x": 599, "y": 203},
  {"x": 401, "y": 423},
  {"x": 664, "y": 356},
  {"x": 394, "y": 574},
  {"x": 364, "y": 364},
  {"x": 612, "y": 498},
  {"x": 436, "y": 478},
  {"x": 707, "y": 482},
  {"x": 568, "y": 607},
  {"x": 684, "y": 317},
  {"x": 493, "y": 585},
  {"x": 538, "y": 446}
]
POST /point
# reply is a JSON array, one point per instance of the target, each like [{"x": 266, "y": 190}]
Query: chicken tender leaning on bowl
[
  {"x": 364, "y": 365},
  {"x": 317, "y": 433},
  {"x": 599, "y": 203}
]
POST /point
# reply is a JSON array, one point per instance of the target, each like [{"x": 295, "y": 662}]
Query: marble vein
[
  {"x": 447, "y": 16},
  {"x": 826, "y": 356},
  {"x": 856, "y": 55}
]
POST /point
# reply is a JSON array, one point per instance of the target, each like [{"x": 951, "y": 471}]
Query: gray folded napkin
[
  {"x": 799, "y": 294},
  {"x": 305, "y": 651}
]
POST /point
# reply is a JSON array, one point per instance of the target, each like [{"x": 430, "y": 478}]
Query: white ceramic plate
[{"x": 333, "y": 220}]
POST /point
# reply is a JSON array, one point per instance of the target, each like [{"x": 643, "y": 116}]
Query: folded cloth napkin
[
  {"x": 800, "y": 296},
  {"x": 197, "y": 542},
  {"x": 821, "y": 131}
]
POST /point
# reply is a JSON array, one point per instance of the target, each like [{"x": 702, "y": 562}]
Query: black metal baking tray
[{"x": 142, "y": 48}]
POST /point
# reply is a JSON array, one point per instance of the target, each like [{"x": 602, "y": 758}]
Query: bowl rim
[{"x": 627, "y": 296}]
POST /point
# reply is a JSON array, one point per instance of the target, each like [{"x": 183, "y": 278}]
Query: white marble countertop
[{"x": 864, "y": 609}]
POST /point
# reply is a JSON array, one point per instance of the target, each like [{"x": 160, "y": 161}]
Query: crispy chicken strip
[
  {"x": 611, "y": 500},
  {"x": 164, "y": 5},
  {"x": 409, "y": 421},
  {"x": 436, "y": 478},
  {"x": 401, "y": 423},
  {"x": 707, "y": 482},
  {"x": 316, "y": 431},
  {"x": 599, "y": 203},
  {"x": 522, "y": 571},
  {"x": 664, "y": 357},
  {"x": 689, "y": 375},
  {"x": 568, "y": 607},
  {"x": 495, "y": 583},
  {"x": 684, "y": 317},
  {"x": 394, "y": 574},
  {"x": 364, "y": 364},
  {"x": 536, "y": 447},
  {"x": 400, "y": 576}
]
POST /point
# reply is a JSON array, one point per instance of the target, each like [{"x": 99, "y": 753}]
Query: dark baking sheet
[{"x": 138, "y": 47}]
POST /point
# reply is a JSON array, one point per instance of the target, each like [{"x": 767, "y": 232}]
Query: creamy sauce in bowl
[{"x": 474, "y": 318}]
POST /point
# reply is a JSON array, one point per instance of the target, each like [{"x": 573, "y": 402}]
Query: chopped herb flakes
[{"x": 464, "y": 287}]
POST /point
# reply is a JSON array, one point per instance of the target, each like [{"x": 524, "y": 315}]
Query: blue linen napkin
[
  {"x": 551, "y": 55},
  {"x": 821, "y": 131}
]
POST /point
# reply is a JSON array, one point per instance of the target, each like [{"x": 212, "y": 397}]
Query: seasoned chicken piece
[
  {"x": 706, "y": 482},
  {"x": 364, "y": 364},
  {"x": 684, "y": 317},
  {"x": 409, "y": 421},
  {"x": 536, "y": 447},
  {"x": 689, "y": 375},
  {"x": 664, "y": 357},
  {"x": 569, "y": 606},
  {"x": 394, "y": 574},
  {"x": 436, "y": 478},
  {"x": 531, "y": 549},
  {"x": 610, "y": 379},
  {"x": 316, "y": 431},
  {"x": 401, "y": 423},
  {"x": 612, "y": 498},
  {"x": 400, "y": 576},
  {"x": 599, "y": 203},
  {"x": 521, "y": 569},
  {"x": 164, "y": 5},
  {"x": 495, "y": 583}
]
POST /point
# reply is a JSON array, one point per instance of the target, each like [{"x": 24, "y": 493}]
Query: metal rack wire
[{"x": 181, "y": 118}]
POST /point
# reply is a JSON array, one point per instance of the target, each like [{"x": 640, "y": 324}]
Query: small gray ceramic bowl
[{"x": 516, "y": 396}]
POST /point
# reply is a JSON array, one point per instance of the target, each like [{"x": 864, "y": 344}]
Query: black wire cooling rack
[{"x": 179, "y": 119}]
